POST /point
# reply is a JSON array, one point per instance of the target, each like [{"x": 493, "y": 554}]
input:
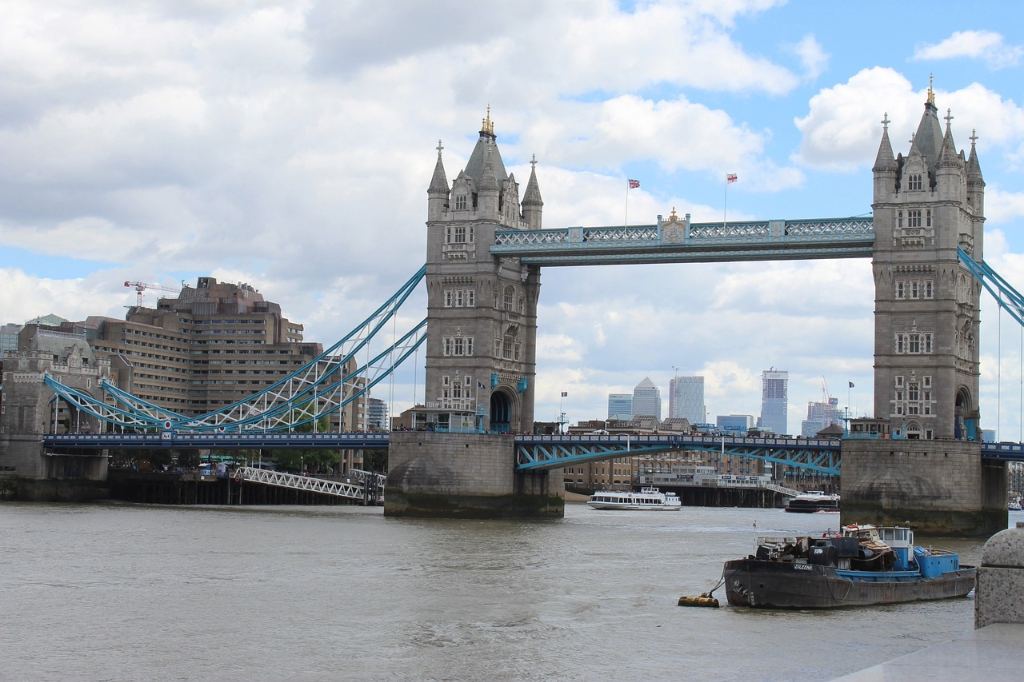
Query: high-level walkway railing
[{"x": 686, "y": 242}]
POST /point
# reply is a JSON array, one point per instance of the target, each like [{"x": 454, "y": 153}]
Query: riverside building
[{"x": 211, "y": 346}]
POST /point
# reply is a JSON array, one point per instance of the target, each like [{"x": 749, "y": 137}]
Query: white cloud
[
  {"x": 985, "y": 45},
  {"x": 812, "y": 56},
  {"x": 1001, "y": 206},
  {"x": 842, "y": 128}
]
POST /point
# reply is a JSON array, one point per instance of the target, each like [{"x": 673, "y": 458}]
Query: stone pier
[
  {"x": 451, "y": 475},
  {"x": 939, "y": 487}
]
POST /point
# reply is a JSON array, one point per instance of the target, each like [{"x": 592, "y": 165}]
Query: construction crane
[{"x": 142, "y": 286}]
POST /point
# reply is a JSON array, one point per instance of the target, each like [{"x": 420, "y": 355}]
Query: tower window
[
  {"x": 510, "y": 294},
  {"x": 901, "y": 290},
  {"x": 899, "y": 218},
  {"x": 460, "y": 202},
  {"x": 914, "y": 181},
  {"x": 914, "y": 218},
  {"x": 459, "y": 236},
  {"x": 914, "y": 289},
  {"x": 929, "y": 289}
]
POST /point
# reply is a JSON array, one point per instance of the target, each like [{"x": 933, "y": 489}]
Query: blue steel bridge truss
[
  {"x": 535, "y": 453},
  {"x": 323, "y": 386}
]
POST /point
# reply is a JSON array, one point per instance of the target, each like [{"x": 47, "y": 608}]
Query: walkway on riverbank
[{"x": 992, "y": 654}]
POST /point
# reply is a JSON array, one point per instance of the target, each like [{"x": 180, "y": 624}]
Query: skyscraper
[
  {"x": 686, "y": 399},
  {"x": 821, "y": 415},
  {"x": 620, "y": 406},
  {"x": 774, "y": 394},
  {"x": 647, "y": 399}
]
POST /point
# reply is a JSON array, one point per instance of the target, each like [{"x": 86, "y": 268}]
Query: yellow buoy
[{"x": 703, "y": 600}]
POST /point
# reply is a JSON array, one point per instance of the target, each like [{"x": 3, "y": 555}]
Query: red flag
[
  {"x": 731, "y": 177},
  {"x": 634, "y": 184}
]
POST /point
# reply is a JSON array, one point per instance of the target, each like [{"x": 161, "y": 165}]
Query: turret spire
[
  {"x": 885, "y": 161},
  {"x": 439, "y": 182}
]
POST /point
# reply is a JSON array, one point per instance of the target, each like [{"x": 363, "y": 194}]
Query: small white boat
[{"x": 646, "y": 499}]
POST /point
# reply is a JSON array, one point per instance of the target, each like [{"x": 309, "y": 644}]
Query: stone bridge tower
[
  {"x": 927, "y": 303},
  {"x": 481, "y": 355},
  {"x": 482, "y": 311}
]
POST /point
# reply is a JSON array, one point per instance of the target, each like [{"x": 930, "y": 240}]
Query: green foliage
[{"x": 376, "y": 460}]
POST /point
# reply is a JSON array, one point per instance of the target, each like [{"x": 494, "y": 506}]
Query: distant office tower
[
  {"x": 686, "y": 399},
  {"x": 820, "y": 416},
  {"x": 620, "y": 406},
  {"x": 774, "y": 394},
  {"x": 736, "y": 424},
  {"x": 377, "y": 414},
  {"x": 647, "y": 400}
]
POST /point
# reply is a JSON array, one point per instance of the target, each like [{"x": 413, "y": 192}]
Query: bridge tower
[
  {"x": 927, "y": 303},
  {"x": 481, "y": 310},
  {"x": 481, "y": 354},
  {"x": 31, "y": 409}
]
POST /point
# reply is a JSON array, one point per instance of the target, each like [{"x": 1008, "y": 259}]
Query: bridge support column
[
  {"x": 458, "y": 475},
  {"x": 940, "y": 487}
]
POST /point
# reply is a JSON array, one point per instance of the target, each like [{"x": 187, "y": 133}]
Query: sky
[{"x": 289, "y": 145}]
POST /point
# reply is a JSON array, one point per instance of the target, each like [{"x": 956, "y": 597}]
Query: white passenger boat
[{"x": 646, "y": 499}]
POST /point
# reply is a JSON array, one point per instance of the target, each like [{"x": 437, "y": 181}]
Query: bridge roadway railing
[
  {"x": 678, "y": 242},
  {"x": 551, "y": 452},
  {"x": 323, "y": 486},
  {"x": 227, "y": 440}
]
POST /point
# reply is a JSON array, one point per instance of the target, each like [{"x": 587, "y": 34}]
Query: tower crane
[{"x": 142, "y": 286}]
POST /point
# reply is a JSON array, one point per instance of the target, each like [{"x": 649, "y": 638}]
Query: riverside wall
[
  {"x": 939, "y": 487},
  {"x": 450, "y": 475}
]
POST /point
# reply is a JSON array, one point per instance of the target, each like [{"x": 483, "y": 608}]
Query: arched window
[{"x": 510, "y": 296}]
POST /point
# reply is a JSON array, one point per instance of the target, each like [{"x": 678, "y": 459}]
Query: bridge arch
[{"x": 504, "y": 410}]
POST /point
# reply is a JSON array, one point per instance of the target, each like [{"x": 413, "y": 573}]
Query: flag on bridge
[
  {"x": 634, "y": 184},
  {"x": 480, "y": 385},
  {"x": 565, "y": 394},
  {"x": 731, "y": 177},
  {"x": 851, "y": 384}
]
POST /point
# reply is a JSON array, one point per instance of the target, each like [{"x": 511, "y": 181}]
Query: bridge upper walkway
[{"x": 685, "y": 242}]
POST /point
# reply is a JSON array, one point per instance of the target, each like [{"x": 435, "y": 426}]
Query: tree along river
[{"x": 125, "y": 592}]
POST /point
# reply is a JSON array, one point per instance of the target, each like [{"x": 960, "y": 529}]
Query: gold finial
[
  {"x": 487, "y": 126},
  {"x": 673, "y": 217},
  {"x": 931, "y": 92}
]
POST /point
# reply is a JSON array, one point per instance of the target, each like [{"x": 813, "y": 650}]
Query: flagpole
[
  {"x": 725, "y": 203},
  {"x": 625, "y": 218}
]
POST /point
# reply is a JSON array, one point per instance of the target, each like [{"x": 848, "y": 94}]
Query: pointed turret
[
  {"x": 885, "y": 161},
  {"x": 950, "y": 183},
  {"x": 489, "y": 189},
  {"x": 533, "y": 205},
  {"x": 486, "y": 143},
  {"x": 948, "y": 156},
  {"x": 885, "y": 168},
  {"x": 928, "y": 138},
  {"x": 975, "y": 181},
  {"x": 438, "y": 192}
]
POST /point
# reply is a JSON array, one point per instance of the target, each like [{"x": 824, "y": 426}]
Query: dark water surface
[{"x": 121, "y": 592}]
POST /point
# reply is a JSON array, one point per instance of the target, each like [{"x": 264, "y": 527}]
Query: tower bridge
[{"x": 486, "y": 246}]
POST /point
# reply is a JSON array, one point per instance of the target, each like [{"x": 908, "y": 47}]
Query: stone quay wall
[
  {"x": 939, "y": 487},
  {"x": 999, "y": 595},
  {"x": 453, "y": 475}
]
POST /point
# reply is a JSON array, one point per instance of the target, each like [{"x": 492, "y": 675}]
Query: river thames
[{"x": 125, "y": 592}]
